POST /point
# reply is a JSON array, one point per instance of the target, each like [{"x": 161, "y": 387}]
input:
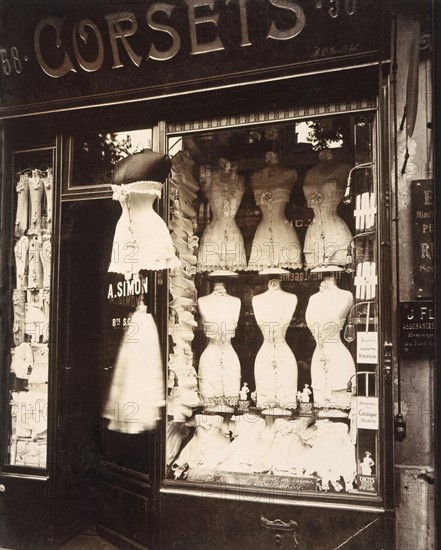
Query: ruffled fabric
[
  {"x": 184, "y": 394},
  {"x": 142, "y": 240},
  {"x": 332, "y": 456},
  {"x": 208, "y": 441},
  {"x": 136, "y": 392}
]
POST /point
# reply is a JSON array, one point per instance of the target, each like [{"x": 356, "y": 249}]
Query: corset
[
  {"x": 263, "y": 197},
  {"x": 142, "y": 240}
]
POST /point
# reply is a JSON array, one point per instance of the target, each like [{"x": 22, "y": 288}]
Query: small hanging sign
[
  {"x": 417, "y": 329},
  {"x": 367, "y": 413},
  {"x": 367, "y": 347}
]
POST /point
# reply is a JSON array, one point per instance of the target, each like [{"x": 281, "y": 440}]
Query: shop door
[
  {"x": 109, "y": 468},
  {"x": 84, "y": 226}
]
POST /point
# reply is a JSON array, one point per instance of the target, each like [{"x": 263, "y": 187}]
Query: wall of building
[{"x": 414, "y": 457}]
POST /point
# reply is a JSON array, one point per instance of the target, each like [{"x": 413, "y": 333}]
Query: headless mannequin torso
[
  {"x": 275, "y": 368},
  {"x": 328, "y": 236},
  {"x": 332, "y": 364},
  {"x": 219, "y": 366},
  {"x": 275, "y": 243},
  {"x": 222, "y": 247}
]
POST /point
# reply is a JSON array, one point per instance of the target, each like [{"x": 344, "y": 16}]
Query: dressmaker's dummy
[
  {"x": 327, "y": 237},
  {"x": 332, "y": 364},
  {"x": 275, "y": 368},
  {"x": 219, "y": 366},
  {"x": 142, "y": 239},
  {"x": 275, "y": 243},
  {"x": 222, "y": 247}
]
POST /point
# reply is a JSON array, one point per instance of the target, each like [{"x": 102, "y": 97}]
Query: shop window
[
  {"x": 273, "y": 363},
  {"x": 92, "y": 155},
  {"x": 30, "y": 301}
]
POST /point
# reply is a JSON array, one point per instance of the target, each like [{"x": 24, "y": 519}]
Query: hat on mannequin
[{"x": 143, "y": 166}]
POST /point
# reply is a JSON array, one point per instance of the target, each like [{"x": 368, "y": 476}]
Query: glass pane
[
  {"x": 94, "y": 154},
  {"x": 30, "y": 300},
  {"x": 273, "y": 361}
]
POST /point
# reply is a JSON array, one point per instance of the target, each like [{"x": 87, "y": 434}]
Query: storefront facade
[{"x": 277, "y": 298}]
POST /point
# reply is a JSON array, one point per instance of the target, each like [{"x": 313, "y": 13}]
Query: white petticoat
[{"x": 136, "y": 392}]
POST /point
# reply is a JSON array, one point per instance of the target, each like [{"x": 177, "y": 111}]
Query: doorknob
[{"x": 2, "y": 488}]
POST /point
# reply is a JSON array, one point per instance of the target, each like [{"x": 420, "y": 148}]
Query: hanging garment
[
  {"x": 22, "y": 360},
  {"x": 136, "y": 392},
  {"x": 142, "y": 239},
  {"x": 333, "y": 455},
  {"x": 208, "y": 441},
  {"x": 22, "y": 214}
]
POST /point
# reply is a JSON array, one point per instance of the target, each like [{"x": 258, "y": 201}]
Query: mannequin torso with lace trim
[
  {"x": 275, "y": 242},
  {"x": 219, "y": 366},
  {"x": 275, "y": 368},
  {"x": 142, "y": 239},
  {"x": 327, "y": 237},
  {"x": 222, "y": 246},
  {"x": 332, "y": 364}
]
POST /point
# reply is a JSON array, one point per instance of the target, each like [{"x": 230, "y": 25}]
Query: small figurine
[
  {"x": 366, "y": 464},
  {"x": 304, "y": 399},
  {"x": 304, "y": 396},
  {"x": 245, "y": 390}
]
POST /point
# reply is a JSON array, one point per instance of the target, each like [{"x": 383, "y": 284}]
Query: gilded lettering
[
  {"x": 428, "y": 198},
  {"x": 196, "y": 46},
  {"x": 275, "y": 33},
  {"x": 425, "y": 251},
  {"x": 81, "y": 29},
  {"x": 57, "y": 24},
  {"x": 244, "y": 37},
  {"x": 117, "y": 33},
  {"x": 154, "y": 53}
]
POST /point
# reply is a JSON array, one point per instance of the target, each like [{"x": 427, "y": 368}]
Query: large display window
[
  {"x": 273, "y": 359},
  {"x": 30, "y": 304}
]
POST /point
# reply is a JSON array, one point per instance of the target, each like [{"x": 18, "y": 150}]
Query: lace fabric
[{"x": 142, "y": 240}]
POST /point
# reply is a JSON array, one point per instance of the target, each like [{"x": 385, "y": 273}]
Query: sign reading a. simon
[{"x": 150, "y": 45}]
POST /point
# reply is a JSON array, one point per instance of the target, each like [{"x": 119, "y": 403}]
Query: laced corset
[
  {"x": 222, "y": 331},
  {"x": 323, "y": 199},
  {"x": 142, "y": 239},
  {"x": 275, "y": 242},
  {"x": 222, "y": 245},
  {"x": 332, "y": 364},
  {"x": 136, "y": 199},
  {"x": 327, "y": 236},
  {"x": 265, "y": 198},
  {"x": 224, "y": 194}
]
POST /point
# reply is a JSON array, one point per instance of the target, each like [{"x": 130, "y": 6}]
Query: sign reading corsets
[{"x": 74, "y": 50}]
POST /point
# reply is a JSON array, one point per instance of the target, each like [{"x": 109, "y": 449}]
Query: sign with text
[
  {"x": 417, "y": 329},
  {"x": 367, "y": 347},
  {"x": 53, "y": 52},
  {"x": 367, "y": 413},
  {"x": 423, "y": 230}
]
